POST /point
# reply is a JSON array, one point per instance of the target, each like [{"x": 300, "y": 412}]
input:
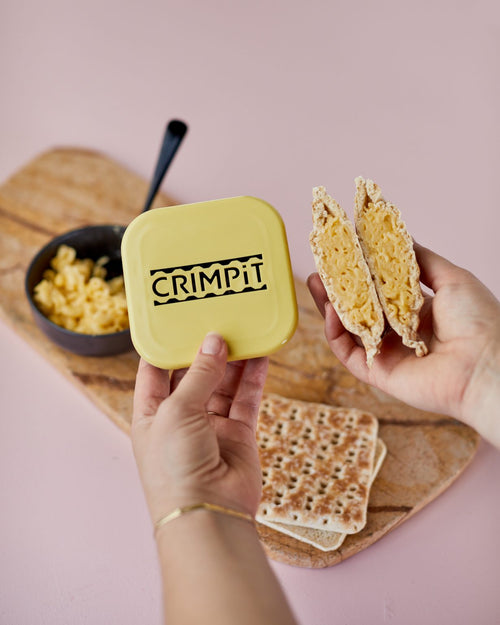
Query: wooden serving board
[{"x": 67, "y": 188}]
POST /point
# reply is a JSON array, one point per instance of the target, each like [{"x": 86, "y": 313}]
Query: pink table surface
[{"x": 279, "y": 97}]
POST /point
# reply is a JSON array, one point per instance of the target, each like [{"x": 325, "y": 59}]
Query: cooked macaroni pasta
[{"x": 75, "y": 295}]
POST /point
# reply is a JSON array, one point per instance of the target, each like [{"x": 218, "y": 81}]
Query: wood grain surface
[{"x": 66, "y": 188}]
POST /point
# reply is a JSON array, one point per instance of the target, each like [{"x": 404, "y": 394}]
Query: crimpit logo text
[{"x": 230, "y": 276}]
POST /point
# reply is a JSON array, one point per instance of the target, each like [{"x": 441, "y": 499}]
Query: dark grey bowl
[
  {"x": 89, "y": 242},
  {"x": 94, "y": 242}
]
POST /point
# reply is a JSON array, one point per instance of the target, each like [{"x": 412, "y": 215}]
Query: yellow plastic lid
[{"x": 220, "y": 266}]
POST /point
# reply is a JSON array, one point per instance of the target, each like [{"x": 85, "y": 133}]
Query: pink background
[{"x": 279, "y": 96}]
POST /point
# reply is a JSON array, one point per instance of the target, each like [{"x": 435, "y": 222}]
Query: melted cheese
[
  {"x": 342, "y": 264},
  {"x": 384, "y": 240}
]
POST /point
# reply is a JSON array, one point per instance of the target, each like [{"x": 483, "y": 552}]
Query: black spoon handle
[{"x": 172, "y": 139}]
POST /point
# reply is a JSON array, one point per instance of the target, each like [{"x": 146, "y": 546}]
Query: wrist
[
  {"x": 193, "y": 528},
  {"x": 164, "y": 507},
  {"x": 205, "y": 506},
  {"x": 214, "y": 569},
  {"x": 481, "y": 401},
  {"x": 162, "y": 502}
]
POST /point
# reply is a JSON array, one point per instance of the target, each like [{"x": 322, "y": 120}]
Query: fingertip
[
  {"x": 146, "y": 370},
  {"x": 213, "y": 344},
  {"x": 205, "y": 373},
  {"x": 314, "y": 283},
  {"x": 152, "y": 386},
  {"x": 259, "y": 366},
  {"x": 318, "y": 292},
  {"x": 311, "y": 278},
  {"x": 333, "y": 325}
]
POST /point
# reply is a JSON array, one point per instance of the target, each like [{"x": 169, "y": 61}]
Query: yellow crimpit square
[{"x": 219, "y": 266}]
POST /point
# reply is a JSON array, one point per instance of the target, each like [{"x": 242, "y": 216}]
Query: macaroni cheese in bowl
[
  {"x": 71, "y": 302},
  {"x": 74, "y": 294}
]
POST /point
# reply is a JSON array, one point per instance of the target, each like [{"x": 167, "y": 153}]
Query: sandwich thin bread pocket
[
  {"x": 388, "y": 249},
  {"x": 344, "y": 272}
]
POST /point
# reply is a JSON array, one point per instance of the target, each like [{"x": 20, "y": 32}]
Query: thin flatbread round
[
  {"x": 317, "y": 464},
  {"x": 321, "y": 539}
]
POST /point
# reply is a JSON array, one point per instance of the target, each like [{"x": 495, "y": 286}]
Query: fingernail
[{"x": 212, "y": 344}]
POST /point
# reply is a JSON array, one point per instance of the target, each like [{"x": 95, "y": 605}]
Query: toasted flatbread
[
  {"x": 388, "y": 249},
  {"x": 321, "y": 539},
  {"x": 344, "y": 272},
  {"x": 317, "y": 463}
]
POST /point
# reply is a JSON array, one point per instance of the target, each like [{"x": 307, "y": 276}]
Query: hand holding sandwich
[{"x": 460, "y": 324}]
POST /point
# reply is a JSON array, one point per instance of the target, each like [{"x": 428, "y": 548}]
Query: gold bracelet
[{"x": 202, "y": 506}]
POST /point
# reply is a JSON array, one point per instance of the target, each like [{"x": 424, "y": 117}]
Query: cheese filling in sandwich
[
  {"x": 370, "y": 272},
  {"x": 344, "y": 272},
  {"x": 388, "y": 249}
]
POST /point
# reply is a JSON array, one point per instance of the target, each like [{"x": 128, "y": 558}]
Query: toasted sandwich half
[
  {"x": 388, "y": 249},
  {"x": 345, "y": 273}
]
